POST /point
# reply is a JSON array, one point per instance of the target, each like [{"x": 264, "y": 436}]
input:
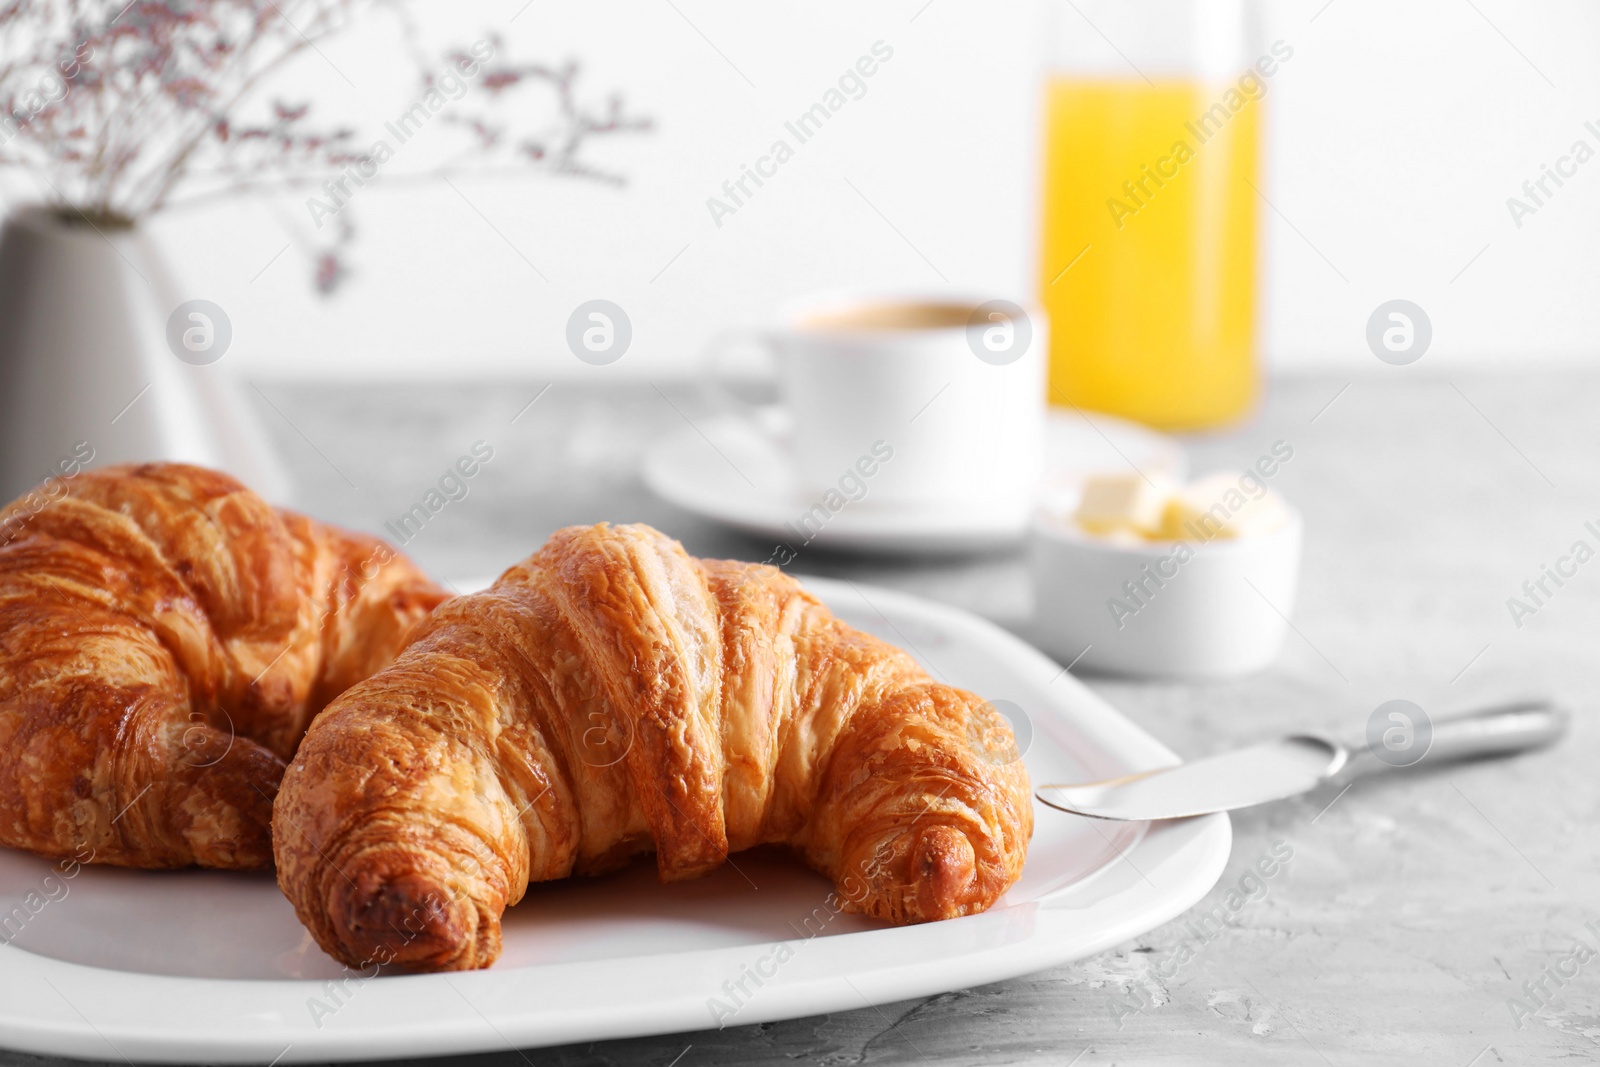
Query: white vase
[{"x": 86, "y": 367}]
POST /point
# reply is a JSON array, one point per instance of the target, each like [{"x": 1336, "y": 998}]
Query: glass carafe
[{"x": 1153, "y": 129}]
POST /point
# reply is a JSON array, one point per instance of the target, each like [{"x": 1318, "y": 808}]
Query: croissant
[
  {"x": 165, "y": 638},
  {"x": 611, "y": 696}
]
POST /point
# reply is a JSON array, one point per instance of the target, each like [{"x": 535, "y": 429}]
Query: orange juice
[{"x": 1148, "y": 260}]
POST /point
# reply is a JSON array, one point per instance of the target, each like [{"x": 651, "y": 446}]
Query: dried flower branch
[{"x": 125, "y": 114}]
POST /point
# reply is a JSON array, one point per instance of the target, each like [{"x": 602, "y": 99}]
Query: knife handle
[{"x": 1495, "y": 731}]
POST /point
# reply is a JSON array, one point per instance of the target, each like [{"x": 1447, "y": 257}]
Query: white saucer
[{"x": 727, "y": 468}]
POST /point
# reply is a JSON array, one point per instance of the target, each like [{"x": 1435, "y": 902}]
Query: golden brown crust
[
  {"x": 165, "y": 638},
  {"x": 611, "y": 696}
]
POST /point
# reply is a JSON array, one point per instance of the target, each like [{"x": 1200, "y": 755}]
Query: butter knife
[{"x": 1297, "y": 764}]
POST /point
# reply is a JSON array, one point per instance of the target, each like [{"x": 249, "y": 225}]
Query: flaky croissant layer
[
  {"x": 611, "y": 696},
  {"x": 165, "y": 638}
]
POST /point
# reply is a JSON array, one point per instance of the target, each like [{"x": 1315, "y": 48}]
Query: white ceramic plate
[
  {"x": 694, "y": 468},
  {"x": 204, "y": 966}
]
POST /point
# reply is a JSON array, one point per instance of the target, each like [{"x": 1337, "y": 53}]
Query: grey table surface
[{"x": 1415, "y": 906}]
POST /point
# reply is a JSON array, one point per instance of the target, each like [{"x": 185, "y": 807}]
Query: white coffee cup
[{"x": 941, "y": 397}]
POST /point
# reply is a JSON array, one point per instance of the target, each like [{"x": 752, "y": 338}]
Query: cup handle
[{"x": 716, "y": 379}]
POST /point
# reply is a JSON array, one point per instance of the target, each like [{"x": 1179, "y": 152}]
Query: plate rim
[{"x": 36, "y": 1017}]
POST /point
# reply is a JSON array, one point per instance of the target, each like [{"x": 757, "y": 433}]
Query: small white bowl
[{"x": 1220, "y": 613}]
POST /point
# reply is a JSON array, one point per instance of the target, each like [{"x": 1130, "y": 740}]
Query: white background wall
[{"x": 1397, "y": 133}]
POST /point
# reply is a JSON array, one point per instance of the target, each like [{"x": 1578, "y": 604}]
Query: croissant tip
[
  {"x": 409, "y": 921},
  {"x": 945, "y": 867}
]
